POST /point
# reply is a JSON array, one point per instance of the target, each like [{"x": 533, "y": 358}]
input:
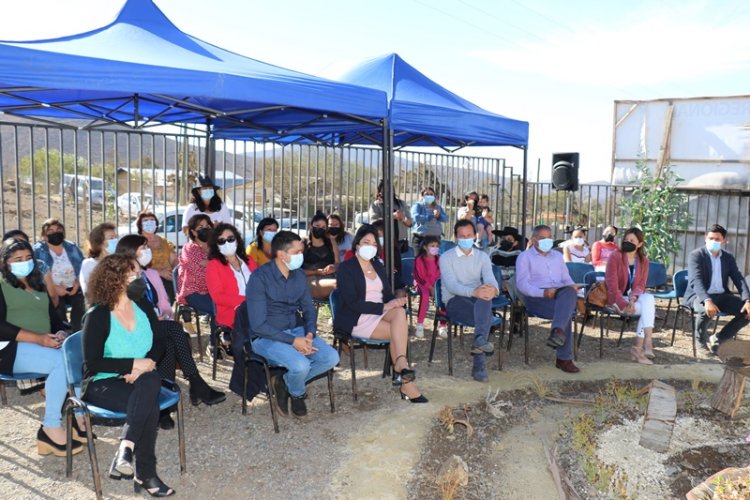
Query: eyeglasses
[{"x": 221, "y": 241}]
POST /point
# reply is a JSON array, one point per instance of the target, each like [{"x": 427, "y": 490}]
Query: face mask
[
  {"x": 295, "y": 261},
  {"x": 111, "y": 245},
  {"x": 145, "y": 257},
  {"x": 428, "y": 199},
  {"x": 579, "y": 242},
  {"x": 545, "y": 245},
  {"x": 149, "y": 226},
  {"x": 505, "y": 245},
  {"x": 627, "y": 247},
  {"x": 465, "y": 243},
  {"x": 381, "y": 240},
  {"x": 713, "y": 246},
  {"x": 203, "y": 234},
  {"x": 609, "y": 237},
  {"x": 318, "y": 232},
  {"x": 136, "y": 289},
  {"x": 207, "y": 194},
  {"x": 433, "y": 250},
  {"x": 334, "y": 231},
  {"x": 228, "y": 249},
  {"x": 268, "y": 236},
  {"x": 55, "y": 238},
  {"x": 22, "y": 269},
  {"x": 367, "y": 252}
]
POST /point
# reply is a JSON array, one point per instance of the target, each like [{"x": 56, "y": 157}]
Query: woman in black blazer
[{"x": 369, "y": 309}]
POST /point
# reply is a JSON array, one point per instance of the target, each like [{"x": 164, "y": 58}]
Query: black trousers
[
  {"x": 169, "y": 287},
  {"x": 77, "y": 308},
  {"x": 178, "y": 350},
  {"x": 140, "y": 401},
  {"x": 727, "y": 304}
]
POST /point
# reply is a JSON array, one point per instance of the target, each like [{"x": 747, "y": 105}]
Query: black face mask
[
  {"x": 318, "y": 232},
  {"x": 505, "y": 245},
  {"x": 627, "y": 247},
  {"x": 55, "y": 238},
  {"x": 609, "y": 238},
  {"x": 137, "y": 289},
  {"x": 203, "y": 234},
  {"x": 334, "y": 231}
]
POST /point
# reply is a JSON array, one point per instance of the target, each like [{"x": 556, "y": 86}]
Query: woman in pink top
[
  {"x": 426, "y": 273},
  {"x": 193, "y": 289},
  {"x": 603, "y": 248}
]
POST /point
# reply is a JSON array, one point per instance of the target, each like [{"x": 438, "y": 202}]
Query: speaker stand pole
[{"x": 523, "y": 193}]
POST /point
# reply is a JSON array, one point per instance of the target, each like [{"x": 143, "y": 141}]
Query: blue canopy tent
[{"x": 141, "y": 71}]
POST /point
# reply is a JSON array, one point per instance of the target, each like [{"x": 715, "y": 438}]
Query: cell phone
[{"x": 69, "y": 289}]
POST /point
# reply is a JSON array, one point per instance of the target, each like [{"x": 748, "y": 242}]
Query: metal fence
[{"x": 85, "y": 177}]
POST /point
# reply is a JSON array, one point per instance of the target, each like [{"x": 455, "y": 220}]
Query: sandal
[
  {"x": 405, "y": 375},
  {"x": 154, "y": 483}
]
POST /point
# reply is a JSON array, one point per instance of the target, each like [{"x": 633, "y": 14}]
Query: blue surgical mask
[
  {"x": 149, "y": 226},
  {"x": 546, "y": 245},
  {"x": 268, "y": 236},
  {"x": 713, "y": 246},
  {"x": 295, "y": 262},
  {"x": 111, "y": 245},
  {"x": 381, "y": 240},
  {"x": 429, "y": 199},
  {"x": 22, "y": 269},
  {"x": 465, "y": 243},
  {"x": 207, "y": 194}
]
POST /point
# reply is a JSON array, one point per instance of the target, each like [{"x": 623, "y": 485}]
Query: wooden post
[
  {"x": 660, "y": 416},
  {"x": 730, "y": 391}
]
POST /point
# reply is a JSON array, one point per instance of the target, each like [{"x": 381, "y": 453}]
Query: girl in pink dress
[{"x": 426, "y": 273}]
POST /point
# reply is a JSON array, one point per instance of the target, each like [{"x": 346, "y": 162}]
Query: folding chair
[
  {"x": 15, "y": 377},
  {"x": 241, "y": 334},
  {"x": 187, "y": 313},
  {"x": 169, "y": 396},
  {"x": 346, "y": 338},
  {"x": 578, "y": 270}
]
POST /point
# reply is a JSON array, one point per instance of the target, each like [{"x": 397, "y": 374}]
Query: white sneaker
[
  {"x": 443, "y": 332},
  {"x": 419, "y": 332}
]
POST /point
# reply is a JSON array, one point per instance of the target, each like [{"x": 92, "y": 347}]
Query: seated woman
[
  {"x": 177, "y": 341},
  {"x": 164, "y": 257},
  {"x": 193, "y": 289},
  {"x": 576, "y": 249},
  {"x": 227, "y": 271},
  {"x": 102, "y": 242},
  {"x": 17, "y": 234},
  {"x": 603, "y": 248},
  {"x": 626, "y": 275},
  {"x": 369, "y": 309},
  {"x": 31, "y": 334},
  {"x": 121, "y": 344},
  {"x": 207, "y": 202},
  {"x": 343, "y": 239},
  {"x": 321, "y": 258},
  {"x": 260, "y": 249}
]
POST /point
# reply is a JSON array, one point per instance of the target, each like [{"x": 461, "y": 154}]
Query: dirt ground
[{"x": 376, "y": 447}]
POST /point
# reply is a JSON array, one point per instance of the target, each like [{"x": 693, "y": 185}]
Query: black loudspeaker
[{"x": 565, "y": 171}]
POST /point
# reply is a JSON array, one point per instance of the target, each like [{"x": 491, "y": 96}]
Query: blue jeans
[
  {"x": 472, "y": 311},
  {"x": 203, "y": 304},
  {"x": 300, "y": 368},
  {"x": 560, "y": 310},
  {"x": 37, "y": 359}
]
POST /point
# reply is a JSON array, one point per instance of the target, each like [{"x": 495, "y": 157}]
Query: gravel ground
[{"x": 366, "y": 449}]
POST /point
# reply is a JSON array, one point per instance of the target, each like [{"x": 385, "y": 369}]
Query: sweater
[{"x": 617, "y": 277}]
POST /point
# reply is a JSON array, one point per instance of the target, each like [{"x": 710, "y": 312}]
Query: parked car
[
  {"x": 84, "y": 187},
  {"x": 295, "y": 225},
  {"x": 131, "y": 204}
]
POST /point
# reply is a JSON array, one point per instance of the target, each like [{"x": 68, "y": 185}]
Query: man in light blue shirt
[
  {"x": 543, "y": 280},
  {"x": 468, "y": 286}
]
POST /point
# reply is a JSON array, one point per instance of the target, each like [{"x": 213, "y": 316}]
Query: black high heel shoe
[
  {"x": 418, "y": 399},
  {"x": 405, "y": 375},
  {"x": 122, "y": 464},
  {"x": 151, "y": 483},
  {"x": 45, "y": 445}
]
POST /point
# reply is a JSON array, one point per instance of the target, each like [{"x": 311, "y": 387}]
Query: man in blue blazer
[{"x": 709, "y": 270}]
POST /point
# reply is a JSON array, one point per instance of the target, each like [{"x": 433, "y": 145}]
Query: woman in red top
[
  {"x": 227, "y": 271},
  {"x": 626, "y": 275},
  {"x": 603, "y": 248}
]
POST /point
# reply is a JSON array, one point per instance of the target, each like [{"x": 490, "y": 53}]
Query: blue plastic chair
[
  {"x": 446, "y": 245},
  {"x": 407, "y": 274},
  {"x": 169, "y": 396},
  {"x": 657, "y": 276},
  {"x": 679, "y": 286},
  {"x": 409, "y": 253},
  {"x": 357, "y": 343},
  {"x": 14, "y": 377},
  {"x": 453, "y": 326},
  {"x": 578, "y": 270}
]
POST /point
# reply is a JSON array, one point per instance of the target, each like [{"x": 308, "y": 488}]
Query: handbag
[{"x": 598, "y": 294}]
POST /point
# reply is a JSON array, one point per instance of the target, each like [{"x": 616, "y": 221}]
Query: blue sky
[{"x": 558, "y": 65}]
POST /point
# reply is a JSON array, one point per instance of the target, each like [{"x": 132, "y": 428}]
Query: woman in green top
[
  {"x": 121, "y": 345},
  {"x": 27, "y": 342}
]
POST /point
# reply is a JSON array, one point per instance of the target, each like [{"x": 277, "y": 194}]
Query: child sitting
[{"x": 426, "y": 273}]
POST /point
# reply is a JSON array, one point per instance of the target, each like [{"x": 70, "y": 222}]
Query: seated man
[
  {"x": 709, "y": 269},
  {"x": 509, "y": 247},
  {"x": 548, "y": 292},
  {"x": 274, "y": 294},
  {"x": 468, "y": 287}
]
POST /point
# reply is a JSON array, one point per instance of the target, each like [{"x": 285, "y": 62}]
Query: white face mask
[
  {"x": 228, "y": 249},
  {"x": 367, "y": 252},
  {"x": 144, "y": 257},
  {"x": 578, "y": 241}
]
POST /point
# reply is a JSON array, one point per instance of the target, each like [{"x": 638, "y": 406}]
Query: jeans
[
  {"x": 300, "y": 368},
  {"x": 727, "y": 304},
  {"x": 35, "y": 358},
  {"x": 77, "y": 308},
  {"x": 472, "y": 311},
  {"x": 203, "y": 304},
  {"x": 560, "y": 310}
]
